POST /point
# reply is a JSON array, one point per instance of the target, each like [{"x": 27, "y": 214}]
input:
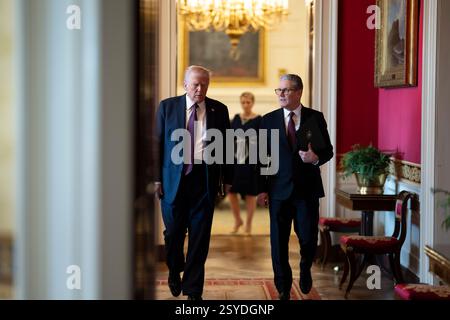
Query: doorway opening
[{"x": 263, "y": 57}]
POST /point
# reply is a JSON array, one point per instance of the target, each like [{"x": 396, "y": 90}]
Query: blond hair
[{"x": 248, "y": 95}]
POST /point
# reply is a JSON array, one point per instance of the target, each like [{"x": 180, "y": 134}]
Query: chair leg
[
  {"x": 346, "y": 267},
  {"x": 364, "y": 261},
  {"x": 326, "y": 247},
  {"x": 398, "y": 269},
  {"x": 393, "y": 268},
  {"x": 353, "y": 272},
  {"x": 322, "y": 245}
]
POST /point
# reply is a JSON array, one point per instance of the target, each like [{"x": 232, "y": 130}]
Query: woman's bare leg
[
  {"x": 251, "y": 206},
  {"x": 234, "y": 201}
]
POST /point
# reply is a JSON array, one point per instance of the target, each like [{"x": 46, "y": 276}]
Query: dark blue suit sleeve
[
  {"x": 229, "y": 168},
  {"x": 262, "y": 179},
  {"x": 326, "y": 153},
  {"x": 159, "y": 142}
]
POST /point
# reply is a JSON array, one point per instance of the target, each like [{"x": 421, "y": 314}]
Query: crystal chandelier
[{"x": 234, "y": 17}]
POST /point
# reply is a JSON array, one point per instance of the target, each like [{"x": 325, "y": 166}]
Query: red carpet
[{"x": 243, "y": 289}]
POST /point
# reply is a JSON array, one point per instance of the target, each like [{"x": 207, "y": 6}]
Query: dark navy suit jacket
[
  {"x": 294, "y": 175},
  {"x": 171, "y": 115}
]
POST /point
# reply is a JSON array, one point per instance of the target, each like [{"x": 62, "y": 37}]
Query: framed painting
[
  {"x": 212, "y": 50},
  {"x": 397, "y": 43}
]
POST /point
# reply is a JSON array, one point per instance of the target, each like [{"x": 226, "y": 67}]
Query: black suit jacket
[
  {"x": 293, "y": 174},
  {"x": 171, "y": 115}
]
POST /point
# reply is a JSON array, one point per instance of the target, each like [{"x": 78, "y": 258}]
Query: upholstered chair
[
  {"x": 334, "y": 224},
  {"x": 365, "y": 247}
]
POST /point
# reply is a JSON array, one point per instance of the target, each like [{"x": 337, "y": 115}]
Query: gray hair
[
  {"x": 298, "y": 83},
  {"x": 198, "y": 69}
]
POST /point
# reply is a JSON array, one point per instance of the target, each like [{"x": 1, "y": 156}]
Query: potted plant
[{"x": 369, "y": 165}]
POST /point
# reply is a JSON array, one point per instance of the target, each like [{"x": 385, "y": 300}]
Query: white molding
[
  {"x": 332, "y": 95},
  {"x": 167, "y": 49},
  {"x": 325, "y": 86},
  {"x": 317, "y": 55},
  {"x": 430, "y": 21},
  {"x": 167, "y": 38}
]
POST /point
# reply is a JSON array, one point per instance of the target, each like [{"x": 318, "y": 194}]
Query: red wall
[
  {"x": 388, "y": 118},
  {"x": 357, "y": 98},
  {"x": 399, "y": 115}
]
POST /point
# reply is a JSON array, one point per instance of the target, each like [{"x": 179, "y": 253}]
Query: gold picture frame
[
  {"x": 396, "y": 47},
  {"x": 211, "y": 49}
]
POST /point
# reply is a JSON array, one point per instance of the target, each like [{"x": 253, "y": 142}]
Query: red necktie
[
  {"x": 291, "y": 131},
  {"x": 190, "y": 126}
]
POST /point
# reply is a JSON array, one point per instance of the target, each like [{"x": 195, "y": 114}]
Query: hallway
[{"x": 238, "y": 257}]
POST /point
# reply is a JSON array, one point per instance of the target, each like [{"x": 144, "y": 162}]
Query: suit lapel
[
  {"x": 181, "y": 113},
  {"x": 282, "y": 127},
  {"x": 303, "y": 115},
  {"x": 210, "y": 114}
]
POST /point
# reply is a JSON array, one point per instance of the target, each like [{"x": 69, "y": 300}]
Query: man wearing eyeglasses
[{"x": 293, "y": 193}]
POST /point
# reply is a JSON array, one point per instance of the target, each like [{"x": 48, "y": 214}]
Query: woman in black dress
[{"x": 245, "y": 174}]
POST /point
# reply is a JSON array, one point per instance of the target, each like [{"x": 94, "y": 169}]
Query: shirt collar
[
  {"x": 189, "y": 103},
  {"x": 296, "y": 111}
]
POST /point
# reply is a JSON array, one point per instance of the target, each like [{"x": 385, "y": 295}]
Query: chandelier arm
[{"x": 235, "y": 17}]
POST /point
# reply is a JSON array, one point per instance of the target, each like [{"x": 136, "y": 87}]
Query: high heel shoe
[{"x": 236, "y": 227}]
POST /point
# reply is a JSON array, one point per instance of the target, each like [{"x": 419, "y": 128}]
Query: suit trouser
[
  {"x": 190, "y": 213},
  {"x": 305, "y": 215}
]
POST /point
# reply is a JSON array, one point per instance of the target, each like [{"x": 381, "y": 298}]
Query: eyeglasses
[{"x": 283, "y": 91}]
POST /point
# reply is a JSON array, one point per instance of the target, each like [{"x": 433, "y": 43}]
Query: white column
[
  {"x": 430, "y": 23},
  {"x": 325, "y": 88},
  {"x": 75, "y": 155}
]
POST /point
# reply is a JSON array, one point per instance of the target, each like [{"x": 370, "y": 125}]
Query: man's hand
[
  {"x": 159, "y": 190},
  {"x": 263, "y": 199},
  {"x": 308, "y": 156}
]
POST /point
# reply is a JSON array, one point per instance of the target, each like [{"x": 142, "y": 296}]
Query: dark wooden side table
[
  {"x": 367, "y": 204},
  {"x": 439, "y": 263}
]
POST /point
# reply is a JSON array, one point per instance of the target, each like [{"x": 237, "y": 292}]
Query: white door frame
[
  {"x": 430, "y": 26},
  {"x": 324, "y": 70},
  {"x": 325, "y": 87}
]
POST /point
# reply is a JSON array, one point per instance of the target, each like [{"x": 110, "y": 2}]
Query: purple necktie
[
  {"x": 291, "y": 131},
  {"x": 190, "y": 126}
]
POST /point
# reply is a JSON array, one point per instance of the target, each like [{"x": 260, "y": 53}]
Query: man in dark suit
[
  {"x": 293, "y": 192},
  {"x": 188, "y": 189}
]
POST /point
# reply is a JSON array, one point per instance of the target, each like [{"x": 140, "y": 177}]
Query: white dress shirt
[
  {"x": 200, "y": 127},
  {"x": 296, "y": 117}
]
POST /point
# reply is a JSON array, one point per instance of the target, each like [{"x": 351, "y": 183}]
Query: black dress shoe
[
  {"x": 285, "y": 295},
  {"x": 195, "y": 297},
  {"x": 174, "y": 282},
  {"x": 305, "y": 281}
]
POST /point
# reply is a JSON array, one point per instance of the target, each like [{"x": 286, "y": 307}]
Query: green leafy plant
[
  {"x": 444, "y": 204},
  {"x": 368, "y": 162}
]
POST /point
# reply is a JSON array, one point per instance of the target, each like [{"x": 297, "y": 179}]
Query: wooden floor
[
  {"x": 248, "y": 257},
  {"x": 238, "y": 257}
]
